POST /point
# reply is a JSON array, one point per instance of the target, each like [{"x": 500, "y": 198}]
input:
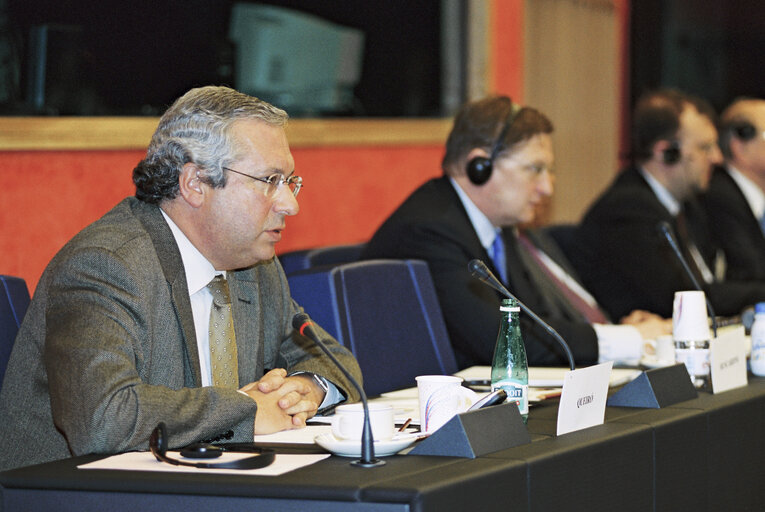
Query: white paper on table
[
  {"x": 304, "y": 435},
  {"x": 727, "y": 360},
  {"x": 145, "y": 461},
  {"x": 406, "y": 401},
  {"x": 583, "y": 400},
  {"x": 548, "y": 377}
]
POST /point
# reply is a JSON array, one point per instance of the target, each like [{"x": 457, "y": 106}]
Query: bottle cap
[{"x": 509, "y": 305}]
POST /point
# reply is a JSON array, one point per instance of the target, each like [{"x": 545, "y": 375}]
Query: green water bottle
[{"x": 510, "y": 369}]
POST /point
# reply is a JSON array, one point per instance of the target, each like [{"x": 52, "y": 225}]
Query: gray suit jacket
[{"x": 107, "y": 349}]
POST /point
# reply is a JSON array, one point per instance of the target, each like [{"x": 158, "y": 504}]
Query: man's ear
[
  {"x": 739, "y": 148},
  {"x": 666, "y": 152},
  {"x": 476, "y": 152},
  {"x": 191, "y": 187}
]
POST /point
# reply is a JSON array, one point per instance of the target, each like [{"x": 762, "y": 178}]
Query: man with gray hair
[
  {"x": 171, "y": 307},
  {"x": 735, "y": 200}
]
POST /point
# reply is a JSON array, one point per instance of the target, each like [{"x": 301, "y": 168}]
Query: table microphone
[
  {"x": 669, "y": 235},
  {"x": 479, "y": 270},
  {"x": 304, "y": 325}
]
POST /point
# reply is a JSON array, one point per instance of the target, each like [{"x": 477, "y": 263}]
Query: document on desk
[
  {"x": 548, "y": 377},
  {"x": 145, "y": 461},
  {"x": 304, "y": 435}
]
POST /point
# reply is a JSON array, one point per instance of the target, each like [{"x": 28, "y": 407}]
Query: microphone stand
[
  {"x": 303, "y": 324},
  {"x": 479, "y": 270},
  {"x": 666, "y": 230}
]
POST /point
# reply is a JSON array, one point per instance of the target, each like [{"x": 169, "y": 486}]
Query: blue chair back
[
  {"x": 386, "y": 312},
  {"x": 14, "y": 301},
  {"x": 331, "y": 255}
]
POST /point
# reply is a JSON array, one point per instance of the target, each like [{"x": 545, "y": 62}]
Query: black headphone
[
  {"x": 744, "y": 130},
  {"x": 672, "y": 153},
  {"x": 158, "y": 447},
  {"x": 479, "y": 168}
]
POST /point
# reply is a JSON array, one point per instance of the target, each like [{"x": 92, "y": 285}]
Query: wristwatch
[{"x": 318, "y": 380}]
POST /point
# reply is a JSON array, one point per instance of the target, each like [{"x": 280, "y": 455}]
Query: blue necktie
[
  {"x": 498, "y": 257},
  {"x": 762, "y": 224}
]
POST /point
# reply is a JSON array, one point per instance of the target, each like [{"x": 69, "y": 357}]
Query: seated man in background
[
  {"x": 497, "y": 170},
  {"x": 623, "y": 257},
  {"x": 124, "y": 332},
  {"x": 735, "y": 201}
]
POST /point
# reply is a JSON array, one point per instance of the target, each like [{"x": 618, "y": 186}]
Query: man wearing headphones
[
  {"x": 735, "y": 201},
  {"x": 497, "y": 171},
  {"x": 622, "y": 254}
]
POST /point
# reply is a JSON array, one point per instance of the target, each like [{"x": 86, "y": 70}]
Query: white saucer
[
  {"x": 345, "y": 448},
  {"x": 652, "y": 362}
]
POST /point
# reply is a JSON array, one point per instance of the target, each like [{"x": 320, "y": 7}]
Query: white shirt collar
[
  {"x": 753, "y": 194},
  {"x": 662, "y": 194},
  {"x": 198, "y": 269},
  {"x": 483, "y": 227}
]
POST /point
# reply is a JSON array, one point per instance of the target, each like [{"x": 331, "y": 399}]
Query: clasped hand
[
  {"x": 283, "y": 402},
  {"x": 648, "y": 324}
]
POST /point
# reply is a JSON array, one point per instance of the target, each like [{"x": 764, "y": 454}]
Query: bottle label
[
  {"x": 695, "y": 359},
  {"x": 757, "y": 360},
  {"x": 511, "y": 309},
  {"x": 516, "y": 393}
]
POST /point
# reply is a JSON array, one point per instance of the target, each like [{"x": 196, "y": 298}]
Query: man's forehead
[
  {"x": 255, "y": 138},
  {"x": 696, "y": 125}
]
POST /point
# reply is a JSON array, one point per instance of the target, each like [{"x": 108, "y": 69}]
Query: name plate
[
  {"x": 583, "y": 399},
  {"x": 727, "y": 360}
]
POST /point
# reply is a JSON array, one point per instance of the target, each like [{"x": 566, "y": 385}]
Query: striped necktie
[{"x": 591, "y": 312}]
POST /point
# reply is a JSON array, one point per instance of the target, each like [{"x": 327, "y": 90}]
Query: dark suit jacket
[
  {"x": 432, "y": 225},
  {"x": 107, "y": 349},
  {"x": 627, "y": 264},
  {"x": 734, "y": 227}
]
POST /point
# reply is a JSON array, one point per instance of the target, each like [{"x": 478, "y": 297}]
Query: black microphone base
[{"x": 361, "y": 463}]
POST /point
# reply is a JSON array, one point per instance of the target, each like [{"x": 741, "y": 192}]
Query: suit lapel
[
  {"x": 738, "y": 200},
  {"x": 172, "y": 267},
  {"x": 460, "y": 228},
  {"x": 248, "y": 323}
]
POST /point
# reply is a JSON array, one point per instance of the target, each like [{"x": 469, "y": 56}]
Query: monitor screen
[{"x": 294, "y": 60}]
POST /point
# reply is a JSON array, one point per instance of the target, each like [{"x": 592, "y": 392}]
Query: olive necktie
[{"x": 222, "y": 338}]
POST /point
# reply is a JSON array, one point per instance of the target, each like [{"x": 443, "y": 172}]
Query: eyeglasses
[{"x": 295, "y": 183}]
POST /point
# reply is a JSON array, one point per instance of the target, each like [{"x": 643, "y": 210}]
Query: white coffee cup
[
  {"x": 348, "y": 421},
  {"x": 441, "y": 397},
  {"x": 663, "y": 348}
]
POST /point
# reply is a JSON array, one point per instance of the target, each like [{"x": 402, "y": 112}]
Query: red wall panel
[{"x": 48, "y": 196}]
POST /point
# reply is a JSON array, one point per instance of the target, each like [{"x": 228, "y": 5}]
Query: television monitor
[{"x": 295, "y": 60}]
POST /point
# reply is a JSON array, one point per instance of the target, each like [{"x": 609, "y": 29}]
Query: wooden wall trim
[{"x": 104, "y": 133}]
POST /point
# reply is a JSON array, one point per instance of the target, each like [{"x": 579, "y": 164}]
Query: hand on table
[{"x": 283, "y": 402}]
